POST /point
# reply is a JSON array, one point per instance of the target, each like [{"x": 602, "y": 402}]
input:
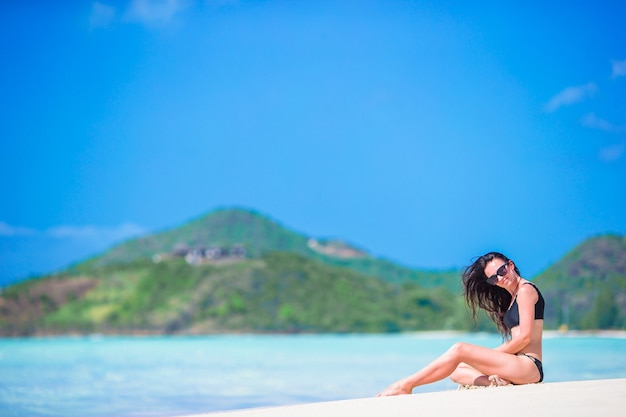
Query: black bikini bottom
[{"x": 537, "y": 364}]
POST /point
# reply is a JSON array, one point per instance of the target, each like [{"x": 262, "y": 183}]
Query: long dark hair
[{"x": 479, "y": 293}]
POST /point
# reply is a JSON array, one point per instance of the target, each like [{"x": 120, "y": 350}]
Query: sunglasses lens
[{"x": 499, "y": 273}]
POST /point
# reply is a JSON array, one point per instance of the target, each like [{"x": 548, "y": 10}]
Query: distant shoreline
[
  {"x": 620, "y": 334},
  {"x": 546, "y": 333},
  {"x": 576, "y": 333}
]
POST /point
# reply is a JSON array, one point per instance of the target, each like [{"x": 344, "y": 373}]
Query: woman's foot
[{"x": 397, "y": 388}]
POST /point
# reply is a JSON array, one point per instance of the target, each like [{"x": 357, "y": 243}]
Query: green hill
[
  {"x": 278, "y": 292},
  {"x": 233, "y": 270},
  {"x": 236, "y": 270},
  {"x": 586, "y": 289},
  {"x": 258, "y": 235},
  {"x": 224, "y": 228}
]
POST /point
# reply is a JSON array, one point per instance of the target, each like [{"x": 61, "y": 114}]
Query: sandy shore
[{"x": 579, "y": 398}]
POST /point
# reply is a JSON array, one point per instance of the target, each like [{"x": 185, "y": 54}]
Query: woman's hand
[{"x": 496, "y": 381}]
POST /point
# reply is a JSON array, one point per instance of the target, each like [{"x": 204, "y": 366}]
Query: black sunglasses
[{"x": 499, "y": 273}]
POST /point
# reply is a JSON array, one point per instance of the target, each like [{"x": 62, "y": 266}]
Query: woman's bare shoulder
[{"x": 527, "y": 291}]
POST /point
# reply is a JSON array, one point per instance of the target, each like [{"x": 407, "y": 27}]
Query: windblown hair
[{"x": 479, "y": 293}]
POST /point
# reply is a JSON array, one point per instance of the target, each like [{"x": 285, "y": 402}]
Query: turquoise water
[{"x": 169, "y": 376}]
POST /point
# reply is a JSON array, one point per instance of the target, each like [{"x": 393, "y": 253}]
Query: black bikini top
[{"x": 511, "y": 317}]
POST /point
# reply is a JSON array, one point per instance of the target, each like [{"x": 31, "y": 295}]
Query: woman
[{"x": 494, "y": 284}]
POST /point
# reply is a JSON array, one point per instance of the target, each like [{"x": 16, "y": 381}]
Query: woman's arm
[{"x": 526, "y": 299}]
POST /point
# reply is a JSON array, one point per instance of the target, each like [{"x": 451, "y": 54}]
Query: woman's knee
[{"x": 458, "y": 350}]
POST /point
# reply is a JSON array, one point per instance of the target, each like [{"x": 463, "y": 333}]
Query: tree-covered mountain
[
  {"x": 257, "y": 235},
  {"x": 278, "y": 292},
  {"x": 236, "y": 270},
  {"x": 587, "y": 287},
  {"x": 232, "y": 270}
]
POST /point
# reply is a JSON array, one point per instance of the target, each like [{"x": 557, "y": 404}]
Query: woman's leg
[
  {"x": 466, "y": 375},
  {"x": 484, "y": 360}
]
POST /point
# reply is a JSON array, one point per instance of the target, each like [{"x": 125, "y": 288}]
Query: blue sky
[{"x": 427, "y": 132}]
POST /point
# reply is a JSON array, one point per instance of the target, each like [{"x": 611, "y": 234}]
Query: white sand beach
[{"x": 579, "y": 398}]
